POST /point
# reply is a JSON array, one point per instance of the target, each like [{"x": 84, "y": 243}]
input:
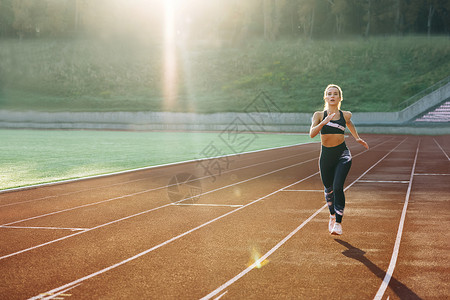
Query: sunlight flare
[
  {"x": 255, "y": 257},
  {"x": 170, "y": 57}
]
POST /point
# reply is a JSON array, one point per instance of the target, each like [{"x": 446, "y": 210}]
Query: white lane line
[
  {"x": 208, "y": 204},
  {"x": 48, "y": 296},
  {"x": 448, "y": 158},
  {"x": 221, "y": 295},
  {"x": 76, "y": 207},
  {"x": 265, "y": 256},
  {"x": 262, "y": 258},
  {"x": 385, "y": 181},
  {"x": 150, "y": 210},
  {"x": 303, "y": 191},
  {"x": 78, "y": 281},
  {"x": 71, "y": 193},
  {"x": 142, "y": 192},
  {"x": 81, "y": 232},
  {"x": 141, "y": 169},
  {"x": 363, "y": 174},
  {"x": 393, "y": 261},
  {"x": 50, "y": 228},
  {"x": 429, "y": 174}
]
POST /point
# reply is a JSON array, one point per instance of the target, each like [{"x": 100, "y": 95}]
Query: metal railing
[{"x": 404, "y": 104}]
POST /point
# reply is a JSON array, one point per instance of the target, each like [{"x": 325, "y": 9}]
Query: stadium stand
[{"x": 439, "y": 114}]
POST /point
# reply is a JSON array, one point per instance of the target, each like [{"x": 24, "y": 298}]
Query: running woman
[{"x": 335, "y": 158}]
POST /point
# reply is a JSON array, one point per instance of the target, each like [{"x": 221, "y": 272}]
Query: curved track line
[
  {"x": 393, "y": 261},
  {"x": 125, "y": 182},
  {"x": 134, "y": 170}
]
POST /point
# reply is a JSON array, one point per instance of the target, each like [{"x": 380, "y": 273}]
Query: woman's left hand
[{"x": 362, "y": 142}]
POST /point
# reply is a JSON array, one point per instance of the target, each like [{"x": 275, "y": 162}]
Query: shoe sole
[{"x": 335, "y": 233}]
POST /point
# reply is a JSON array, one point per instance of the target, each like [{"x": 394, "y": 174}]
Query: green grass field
[
  {"x": 376, "y": 74},
  {"x": 38, "y": 156}
]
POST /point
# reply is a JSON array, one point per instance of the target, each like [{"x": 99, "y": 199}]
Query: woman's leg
[
  {"x": 327, "y": 173},
  {"x": 340, "y": 174}
]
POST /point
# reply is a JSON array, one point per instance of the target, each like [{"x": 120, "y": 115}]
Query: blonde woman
[{"x": 335, "y": 158}]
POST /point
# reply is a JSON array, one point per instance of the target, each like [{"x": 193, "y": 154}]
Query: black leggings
[{"x": 334, "y": 164}]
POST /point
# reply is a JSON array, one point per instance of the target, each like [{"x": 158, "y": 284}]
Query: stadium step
[{"x": 439, "y": 114}]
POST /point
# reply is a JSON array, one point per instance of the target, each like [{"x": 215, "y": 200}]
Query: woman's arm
[
  {"x": 317, "y": 125},
  {"x": 351, "y": 127}
]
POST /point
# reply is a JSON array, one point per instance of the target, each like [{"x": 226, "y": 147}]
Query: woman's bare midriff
[{"x": 332, "y": 140}]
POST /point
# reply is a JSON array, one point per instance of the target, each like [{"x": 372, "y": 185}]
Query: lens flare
[
  {"x": 237, "y": 192},
  {"x": 170, "y": 57},
  {"x": 255, "y": 257}
]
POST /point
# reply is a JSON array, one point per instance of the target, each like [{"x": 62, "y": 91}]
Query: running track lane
[
  {"x": 74, "y": 212},
  {"x": 89, "y": 239},
  {"x": 143, "y": 253},
  {"x": 263, "y": 229}
]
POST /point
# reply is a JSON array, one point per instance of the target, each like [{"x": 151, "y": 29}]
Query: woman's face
[{"x": 332, "y": 96}]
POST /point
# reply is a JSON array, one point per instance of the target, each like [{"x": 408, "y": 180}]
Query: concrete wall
[{"x": 387, "y": 122}]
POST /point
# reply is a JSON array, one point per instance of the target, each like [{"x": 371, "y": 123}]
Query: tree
[
  {"x": 338, "y": 8},
  {"x": 306, "y": 13},
  {"x": 6, "y": 17},
  {"x": 368, "y": 17},
  {"x": 438, "y": 8},
  {"x": 56, "y": 22},
  {"x": 397, "y": 23},
  {"x": 431, "y": 10},
  {"x": 36, "y": 18},
  {"x": 231, "y": 20},
  {"x": 272, "y": 10},
  {"x": 289, "y": 16},
  {"x": 24, "y": 19},
  {"x": 242, "y": 18},
  {"x": 427, "y": 16}
]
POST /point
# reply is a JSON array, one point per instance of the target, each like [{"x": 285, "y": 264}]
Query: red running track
[{"x": 255, "y": 229}]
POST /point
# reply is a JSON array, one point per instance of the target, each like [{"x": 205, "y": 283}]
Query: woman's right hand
[
  {"x": 317, "y": 125},
  {"x": 328, "y": 118}
]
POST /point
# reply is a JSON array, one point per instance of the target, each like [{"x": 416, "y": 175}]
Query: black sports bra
[{"x": 334, "y": 127}]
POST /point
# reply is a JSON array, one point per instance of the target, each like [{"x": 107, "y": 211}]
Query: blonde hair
[{"x": 325, "y": 94}]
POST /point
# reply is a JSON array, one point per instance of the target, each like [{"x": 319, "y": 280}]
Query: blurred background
[{"x": 209, "y": 56}]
